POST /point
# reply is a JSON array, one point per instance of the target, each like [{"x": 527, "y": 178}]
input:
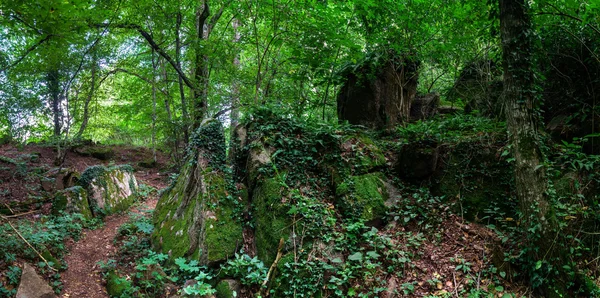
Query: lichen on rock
[{"x": 111, "y": 189}]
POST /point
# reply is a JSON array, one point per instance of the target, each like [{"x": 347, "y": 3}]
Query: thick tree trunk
[
  {"x": 201, "y": 65},
  {"x": 516, "y": 31}
]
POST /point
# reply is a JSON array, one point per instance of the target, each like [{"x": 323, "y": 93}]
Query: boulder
[
  {"x": 72, "y": 200},
  {"x": 479, "y": 87},
  {"x": 111, "y": 189},
  {"x": 424, "y": 106},
  {"x": 378, "y": 93},
  {"x": 65, "y": 178},
  {"x": 99, "y": 152},
  {"x": 32, "y": 285},
  {"x": 363, "y": 197},
  {"x": 271, "y": 217},
  {"x": 361, "y": 153},
  {"x": 227, "y": 287},
  {"x": 416, "y": 161},
  {"x": 195, "y": 218},
  {"x": 473, "y": 174}
]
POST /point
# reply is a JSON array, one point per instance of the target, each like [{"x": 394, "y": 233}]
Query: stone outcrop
[
  {"x": 32, "y": 285},
  {"x": 424, "y": 106},
  {"x": 111, "y": 189},
  {"x": 378, "y": 94},
  {"x": 72, "y": 200},
  {"x": 194, "y": 217}
]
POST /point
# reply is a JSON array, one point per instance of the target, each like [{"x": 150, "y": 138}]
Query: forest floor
[
  {"x": 449, "y": 262},
  {"x": 83, "y": 278}
]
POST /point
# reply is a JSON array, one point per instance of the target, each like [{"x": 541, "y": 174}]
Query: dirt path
[{"x": 83, "y": 277}]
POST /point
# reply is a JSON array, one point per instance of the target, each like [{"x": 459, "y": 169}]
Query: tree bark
[
  {"x": 54, "y": 92},
  {"x": 86, "y": 104},
  {"x": 516, "y": 32},
  {"x": 184, "y": 112}
]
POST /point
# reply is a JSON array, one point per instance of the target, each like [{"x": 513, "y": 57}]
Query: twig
[
  {"x": 7, "y": 206},
  {"x": 20, "y": 214},
  {"x": 272, "y": 268},
  {"x": 27, "y": 242}
]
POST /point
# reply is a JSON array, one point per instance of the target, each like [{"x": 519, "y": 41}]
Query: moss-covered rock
[
  {"x": 271, "y": 218},
  {"x": 99, "y": 152},
  {"x": 227, "y": 288},
  {"x": 363, "y": 197},
  {"x": 72, "y": 200},
  {"x": 116, "y": 285},
  {"x": 474, "y": 175},
  {"x": 195, "y": 218},
  {"x": 111, "y": 189},
  {"x": 361, "y": 153}
]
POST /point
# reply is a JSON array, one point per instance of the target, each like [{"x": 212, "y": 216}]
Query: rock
[
  {"x": 424, "y": 106},
  {"x": 479, "y": 86},
  {"x": 363, "y": 197},
  {"x": 378, "y": 94},
  {"x": 47, "y": 184},
  {"x": 475, "y": 175},
  {"x": 110, "y": 189},
  {"x": 148, "y": 163},
  {"x": 416, "y": 161},
  {"x": 227, "y": 287},
  {"x": 361, "y": 153},
  {"x": 447, "y": 110},
  {"x": 194, "y": 218},
  {"x": 66, "y": 178},
  {"x": 32, "y": 285},
  {"x": 72, "y": 200},
  {"x": 99, "y": 152},
  {"x": 271, "y": 218}
]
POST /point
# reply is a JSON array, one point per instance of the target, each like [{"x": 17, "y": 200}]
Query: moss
[
  {"x": 104, "y": 180},
  {"x": 90, "y": 174},
  {"x": 363, "y": 196},
  {"x": 198, "y": 208},
  {"x": 224, "y": 290},
  {"x": 116, "y": 286},
  {"x": 367, "y": 156},
  {"x": 223, "y": 233},
  {"x": 272, "y": 220},
  {"x": 73, "y": 199}
]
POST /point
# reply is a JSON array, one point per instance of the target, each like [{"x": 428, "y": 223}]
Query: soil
[{"x": 83, "y": 277}]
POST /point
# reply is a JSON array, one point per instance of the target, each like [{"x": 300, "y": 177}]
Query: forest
[{"x": 299, "y": 148}]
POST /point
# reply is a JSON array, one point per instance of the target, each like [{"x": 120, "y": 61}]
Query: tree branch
[{"x": 29, "y": 50}]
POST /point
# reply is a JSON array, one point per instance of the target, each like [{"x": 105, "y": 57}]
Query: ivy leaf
[{"x": 356, "y": 257}]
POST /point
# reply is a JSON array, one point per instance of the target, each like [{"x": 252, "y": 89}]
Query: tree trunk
[
  {"x": 86, "y": 105},
  {"x": 184, "y": 112},
  {"x": 54, "y": 92},
  {"x": 153, "y": 107},
  {"x": 235, "y": 98},
  {"x": 201, "y": 65},
  {"x": 516, "y": 32}
]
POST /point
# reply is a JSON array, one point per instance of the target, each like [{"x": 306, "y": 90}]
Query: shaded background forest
[{"x": 143, "y": 72}]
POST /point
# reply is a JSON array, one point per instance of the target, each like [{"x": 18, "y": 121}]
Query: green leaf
[
  {"x": 356, "y": 257},
  {"x": 538, "y": 265}
]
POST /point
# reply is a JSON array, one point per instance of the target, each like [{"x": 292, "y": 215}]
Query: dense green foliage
[{"x": 150, "y": 72}]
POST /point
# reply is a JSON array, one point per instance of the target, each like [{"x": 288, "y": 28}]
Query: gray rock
[{"x": 32, "y": 285}]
